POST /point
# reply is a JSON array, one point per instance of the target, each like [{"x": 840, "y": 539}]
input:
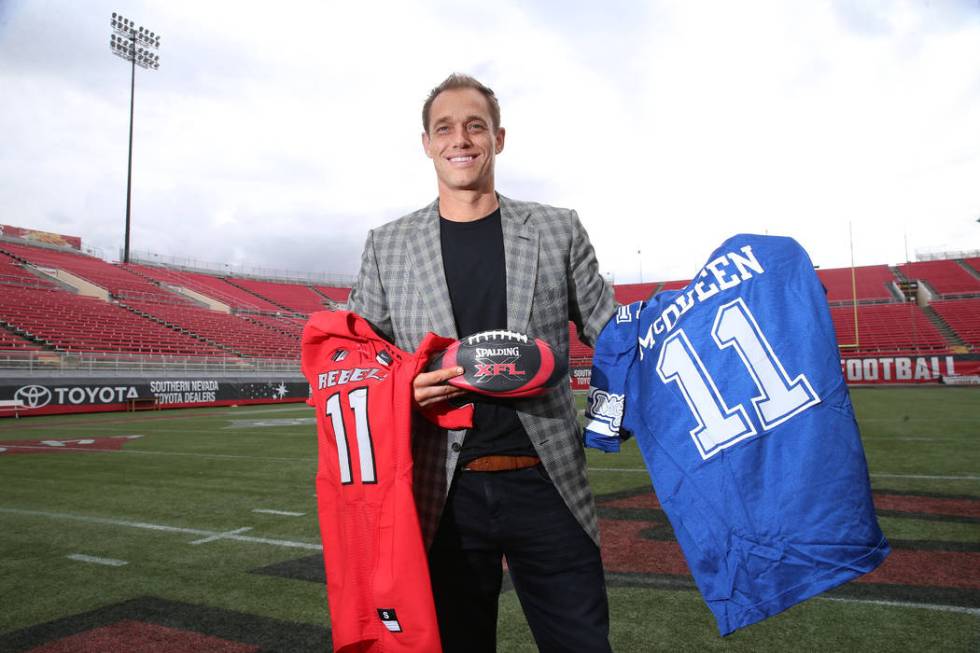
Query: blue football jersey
[{"x": 733, "y": 389}]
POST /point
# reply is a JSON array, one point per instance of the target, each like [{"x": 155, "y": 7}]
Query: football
[{"x": 502, "y": 364}]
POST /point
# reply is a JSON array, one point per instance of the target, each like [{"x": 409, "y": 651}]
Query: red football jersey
[{"x": 377, "y": 572}]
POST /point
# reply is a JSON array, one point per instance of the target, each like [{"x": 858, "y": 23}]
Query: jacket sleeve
[
  {"x": 590, "y": 299},
  {"x": 367, "y": 297}
]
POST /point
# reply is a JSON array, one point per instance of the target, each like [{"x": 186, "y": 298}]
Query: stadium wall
[
  {"x": 879, "y": 370},
  {"x": 54, "y": 395}
]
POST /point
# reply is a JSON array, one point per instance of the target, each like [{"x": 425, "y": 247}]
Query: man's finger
[
  {"x": 436, "y": 377},
  {"x": 433, "y": 394},
  {"x": 447, "y": 395},
  {"x": 443, "y": 391}
]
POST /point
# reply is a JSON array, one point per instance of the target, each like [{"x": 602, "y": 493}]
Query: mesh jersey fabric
[
  {"x": 378, "y": 587},
  {"x": 734, "y": 391}
]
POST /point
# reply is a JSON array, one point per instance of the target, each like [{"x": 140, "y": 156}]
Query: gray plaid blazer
[{"x": 552, "y": 277}]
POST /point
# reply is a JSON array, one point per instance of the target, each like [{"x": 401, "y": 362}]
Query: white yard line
[
  {"x": 659, "y": 583},
  {"x": 284, "y": 513},
  {"x": 905, "y": 604},
  {"x": 928, "y": 477},
  {"x": 109, "y": 562},
  {"x": 222, "y": 536},
  {"x": 236, "y": 535},
  {"x": 143, "y": 452},
  {"x": 64, "y": 516}
]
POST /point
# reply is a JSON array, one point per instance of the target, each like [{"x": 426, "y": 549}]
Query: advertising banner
[
  {"x": 45, "y": 237},
  {"x": 908, "y": 369},
  {"x": 65, "y": 395}
]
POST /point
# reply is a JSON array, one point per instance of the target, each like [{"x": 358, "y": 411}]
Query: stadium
[
  {"x": 126, "y": 521},
  {"x": 777, "y": 443}
]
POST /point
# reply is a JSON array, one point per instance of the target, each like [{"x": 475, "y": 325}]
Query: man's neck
[{"x": 466, "y": 205}]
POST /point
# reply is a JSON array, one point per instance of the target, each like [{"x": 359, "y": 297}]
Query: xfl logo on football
[
  {"x": 493, "y": 362},
  {"x": 487, "y": 371}
]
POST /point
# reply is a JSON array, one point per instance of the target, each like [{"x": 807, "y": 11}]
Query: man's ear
[
  {"x": 425, "y": 144},
  {"x": 499, "y": 140}
]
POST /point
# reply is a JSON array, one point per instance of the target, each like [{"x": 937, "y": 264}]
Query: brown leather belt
[{"x": 501, "y": 463}]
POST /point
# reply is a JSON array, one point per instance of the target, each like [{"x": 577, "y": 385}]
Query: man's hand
[{"x": 431, "y": 387}]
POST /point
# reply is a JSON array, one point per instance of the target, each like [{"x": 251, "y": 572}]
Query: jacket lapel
[
  {"x": 521, "y": 256},
  {"x": 425, "y": 250}
]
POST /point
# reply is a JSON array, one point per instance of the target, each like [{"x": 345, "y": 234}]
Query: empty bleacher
[
  {"x": 962, "y": 316},
  {"x": 289, "y": 325},
  {"x": 627, "y": 293},
  {"x": 674, "y": 285},
  {"x": 871, "y": 282},
  {"x": 13, "y": 342},
  {"x": 945, "y": 277},
  {"x": 113, "y": 278},
  {"x": 206, "y": 284},
  {"x": 231, "y": 333},
  {"x": 337, "y": 295},
  {"x": 290, "y": 296},
  {"x": 64, "y": 321},
  {"x": 886, "y": 328},
  {"x": 12, "y": 272},
  {"x": 578, "y": 351},
  {"x": 267, "y": 316}
]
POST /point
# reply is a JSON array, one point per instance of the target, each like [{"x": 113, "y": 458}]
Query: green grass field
[{"x": 178, "y": 506}]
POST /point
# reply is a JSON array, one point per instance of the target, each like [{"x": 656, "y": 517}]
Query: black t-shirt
[{"x": 476, "y": 273}]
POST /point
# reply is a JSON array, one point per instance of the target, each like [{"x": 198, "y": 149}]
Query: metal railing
[
  {"x": 49, "y": 362},
  {"x": 245, "y": 271}
]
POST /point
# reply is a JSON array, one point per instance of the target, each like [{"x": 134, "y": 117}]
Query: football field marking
[
  {"x": 225, "y": 535},
  {"x": 222, "y": 536},
  {"x": 143, "y": 452},
  {"x": 904, "y": 604},
  {"x": 312, "y": 459},
  {"x": 109, "y": 562},
  {"x": 685, "y": 584},
  {"x": 284, "y": 513},
  {"x": 930, "y": 477}
]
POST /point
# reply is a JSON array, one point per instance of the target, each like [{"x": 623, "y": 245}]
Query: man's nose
[{"x": 461, "y": 137}]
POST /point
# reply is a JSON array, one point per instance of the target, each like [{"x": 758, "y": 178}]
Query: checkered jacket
[{"x": 552, "y": 277}]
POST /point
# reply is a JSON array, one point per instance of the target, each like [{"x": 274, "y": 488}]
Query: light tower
[{"x": 135, "y": 45}]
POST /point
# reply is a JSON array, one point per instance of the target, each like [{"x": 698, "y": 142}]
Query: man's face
[{"x": 461, "y": 141}]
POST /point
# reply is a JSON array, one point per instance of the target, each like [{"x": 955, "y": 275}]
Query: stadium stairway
[
  {"x": 12, "y": 337},
  {"x": 175, "y": 286},
  {"x": 262, "y": 297},
  {"x": 275, "y": 324},
  {"x": 331, "y": 302},
  {"x": 969, "y": 270},
  {"x": 952, "y": 338}
]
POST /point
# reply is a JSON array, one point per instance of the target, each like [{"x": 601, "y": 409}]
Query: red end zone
[
  {"x": 54, "y": 445},
  {"x": 141, "y": 636}
]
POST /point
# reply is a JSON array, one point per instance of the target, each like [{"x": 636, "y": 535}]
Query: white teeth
[{"x": 460, "y": 159}]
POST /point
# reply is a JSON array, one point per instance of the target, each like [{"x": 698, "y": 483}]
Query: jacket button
[{"x": 457, "y": 446}]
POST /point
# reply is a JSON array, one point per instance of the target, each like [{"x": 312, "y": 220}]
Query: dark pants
[{"x": 554, "y": 565}]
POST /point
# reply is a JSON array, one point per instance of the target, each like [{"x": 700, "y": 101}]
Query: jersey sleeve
[{"x": 615, "y": 352}]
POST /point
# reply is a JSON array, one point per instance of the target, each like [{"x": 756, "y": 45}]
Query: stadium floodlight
[{"x": 135, "y": 45}]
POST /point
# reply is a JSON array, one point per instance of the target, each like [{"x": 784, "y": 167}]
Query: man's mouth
[{"x": 462, "y": 158}]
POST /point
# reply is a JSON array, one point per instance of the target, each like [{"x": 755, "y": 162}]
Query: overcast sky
[{"x": 277, "y": 134}]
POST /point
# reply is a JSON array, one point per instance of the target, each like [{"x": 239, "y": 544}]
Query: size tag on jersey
[{"x": 389, "y": 619}]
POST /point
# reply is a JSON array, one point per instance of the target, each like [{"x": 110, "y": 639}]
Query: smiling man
[{"x": 515, "y": 484}]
